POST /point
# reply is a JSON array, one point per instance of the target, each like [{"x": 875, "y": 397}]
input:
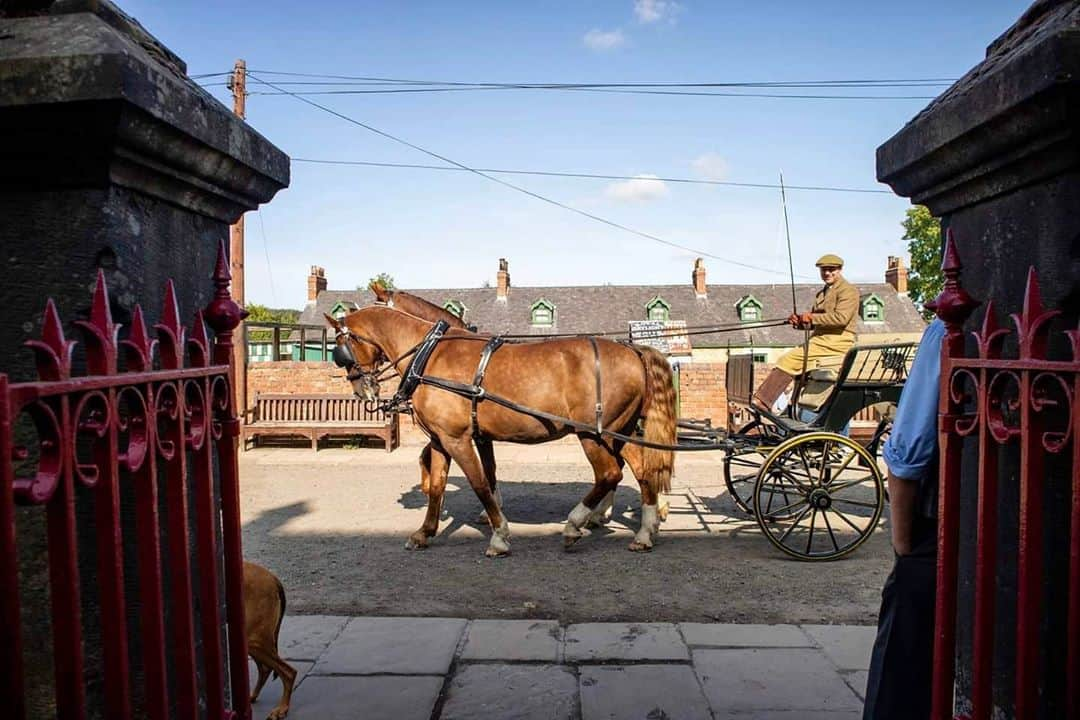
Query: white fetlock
[
  {"x": 500, "y": 540},
  {"x": 602, "y": 514},
  {"x": 662, "y": 507},
  {"x": 650, "y": 526},
  {"x": 575, "y": 522}
]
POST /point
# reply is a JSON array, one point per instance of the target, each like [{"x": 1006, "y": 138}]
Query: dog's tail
[{"x": 281, "y": 613}]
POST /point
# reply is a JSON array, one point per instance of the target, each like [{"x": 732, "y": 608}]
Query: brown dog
[{"x": 264, "y": 608}]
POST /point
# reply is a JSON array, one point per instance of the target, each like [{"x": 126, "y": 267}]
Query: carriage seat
[{"x": 819, "y": 385}]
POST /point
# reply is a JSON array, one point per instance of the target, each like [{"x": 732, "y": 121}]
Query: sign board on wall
[{"x": 667, "y": 336}]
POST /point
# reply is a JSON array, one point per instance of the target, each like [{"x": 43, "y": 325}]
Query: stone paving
[{"x": 448, "y": 668}]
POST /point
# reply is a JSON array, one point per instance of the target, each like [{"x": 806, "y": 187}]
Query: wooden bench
[{"x": 316, "y": 417}]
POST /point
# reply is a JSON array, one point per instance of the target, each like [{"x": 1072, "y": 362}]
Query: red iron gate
[
  {"x": 147, "y": 428},
  {"x": 1034, "y": 404}
]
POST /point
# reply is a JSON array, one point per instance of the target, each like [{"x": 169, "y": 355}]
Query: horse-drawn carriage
[{"x": 816, "y": 493}]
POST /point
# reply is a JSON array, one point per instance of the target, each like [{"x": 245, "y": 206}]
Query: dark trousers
[{"x": 901, "y": 665}]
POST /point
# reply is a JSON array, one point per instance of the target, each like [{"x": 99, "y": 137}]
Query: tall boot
[{"x": 775, "y": 383}]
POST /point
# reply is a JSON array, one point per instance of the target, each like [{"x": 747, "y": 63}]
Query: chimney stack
[
  {"x": 699, "y": 278},
  {"x": 502, "y": 288},
  {"x": 896, "y": 275},
  {"x": 316, "y": 283}
]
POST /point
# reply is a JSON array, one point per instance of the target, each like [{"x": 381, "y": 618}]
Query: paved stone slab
[
  {"x": 399, "y": 646},
  {"x": 645, "y": 692},
  {"x": 369, "y": 698},
  {"x": 772, "y": 679},
  {"x": 271, "y": 692},
  {"x": 732, "y": 635},
  {"x": 791, "y": 715},
  {"x": 856, "y": 680},
  {"x": 508, "y": 640},
  {"x": 848, "y": 646},
  {"x": 304, "y": 637},
  {"x": 591, "y": 642},
  {"x": 512, "y": 692}
]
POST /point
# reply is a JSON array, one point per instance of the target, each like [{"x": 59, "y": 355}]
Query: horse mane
[{"x": 424, "y": 309}]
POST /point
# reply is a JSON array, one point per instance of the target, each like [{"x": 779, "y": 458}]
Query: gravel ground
[{"x": 332, "y": 525}]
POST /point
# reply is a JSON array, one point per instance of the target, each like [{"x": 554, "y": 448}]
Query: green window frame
[
  {"x": 542, "y": 313},
  {"x": 455, "y": 308},
  {"x": 658, "y": 309}
]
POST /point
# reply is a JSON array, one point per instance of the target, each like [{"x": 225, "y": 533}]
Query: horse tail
[{"x": 659, "y": 418}]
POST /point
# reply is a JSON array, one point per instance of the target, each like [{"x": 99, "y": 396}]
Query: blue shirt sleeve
[{"x": 911, "y": 449}]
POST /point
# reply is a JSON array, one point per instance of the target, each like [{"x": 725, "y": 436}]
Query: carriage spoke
[
  {"x": 786, "y": 508},
  {"x": 859, "y": 503},
  {"x": 832, "y": 535},
  {"x": 810, "y": 537},
  {"x": 786, "y": 472},
  {"x": 840, "y": 487},
  {"x": 795, "y": 523},
  {"x": 843, "y": 517},
  {"x": 843, "y": 465},
  {"x": 824, "y": 464}
]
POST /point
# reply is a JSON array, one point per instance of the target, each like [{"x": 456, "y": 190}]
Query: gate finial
[{"x": 953, "y": 305}]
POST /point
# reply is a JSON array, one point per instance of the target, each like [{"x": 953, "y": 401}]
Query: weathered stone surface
[
  {"x": 736, "y": 635},
  {"x": 400, "y": 646},
  {"x": 531, "y": 640},
  {"x": 592, "y": 642},
  {"x": 772, "y": 679},
  {"x": 856, "y": 680},
  {"x": 305, "y": 637},
  {"x": 848, "y": 646},
  {"x": 366, "y": 698},
  {"x": 790, "y": 715},
  {"x": 512, "y": 692},
  {"x": 641, "y": 692}
]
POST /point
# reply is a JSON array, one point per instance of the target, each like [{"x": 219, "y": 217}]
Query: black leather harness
[
  {"x": 478, "y": 379},
  {"x": 414, "y": 373}
]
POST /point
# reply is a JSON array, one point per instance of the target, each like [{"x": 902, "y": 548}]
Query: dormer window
[
  {"x": 872, "y": 309},
  {"x": 542, "y": 313},
  {"x": 340, "y": 310},
  {"x": 749, "y": 309},
  {"x": 455, "y": 308},
  {"x": 657, "y": 309}
]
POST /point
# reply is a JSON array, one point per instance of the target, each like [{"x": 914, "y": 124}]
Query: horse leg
[
  {"x": 464, "y": 454},
  {"x": 607, "y": 472},
  {"x": 632, "y": 454},
  {"x": 650, "y": 514},
  {"x": 486, "y": 450},
  {"x": 602, "y": 514},
  {"x": 434, "y": 465}
]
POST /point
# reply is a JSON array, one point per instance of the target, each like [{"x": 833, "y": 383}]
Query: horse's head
[{"x": 360, "y": 357}]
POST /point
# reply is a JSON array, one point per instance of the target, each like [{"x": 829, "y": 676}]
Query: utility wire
[
  {"x": 266, "y": 251},
  {"x": 517, "y": 188},
  {"x": 591, "y": 176},
  {"x": 684, "y": 93}
]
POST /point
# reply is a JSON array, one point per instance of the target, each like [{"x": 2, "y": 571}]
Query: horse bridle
[{"x": 345, "y": 358}]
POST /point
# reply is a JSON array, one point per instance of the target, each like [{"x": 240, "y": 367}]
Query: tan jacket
[{"x": 836, "y": 308}]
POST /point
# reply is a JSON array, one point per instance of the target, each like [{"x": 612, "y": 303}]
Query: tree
[
  {"x": 923, "y": 233},
  {"x": 384, "y": 279}
]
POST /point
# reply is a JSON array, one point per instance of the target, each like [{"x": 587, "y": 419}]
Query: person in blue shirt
[{"x": 901, "y": 664}]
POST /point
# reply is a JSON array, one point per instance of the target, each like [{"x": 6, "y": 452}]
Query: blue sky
[{"x": 448, "y": 229}]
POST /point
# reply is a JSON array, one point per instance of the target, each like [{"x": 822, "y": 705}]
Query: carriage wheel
[
  {"x": 741, "y": 466},
  {"x": 819, "y": 496}
]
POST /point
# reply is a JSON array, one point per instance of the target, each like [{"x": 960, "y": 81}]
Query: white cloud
[
  {"x": 642, "y": 188},
  {"x": 650, "y": 11},
  {"x": 711, "y": 166},
  {"x": 601, "y": 40}
]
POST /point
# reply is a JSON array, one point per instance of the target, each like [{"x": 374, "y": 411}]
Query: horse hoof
[
  {"x": 640, "y": 547},
  {"x": 415, "y": 543},
  {"x": 662, "y": 512},
  {"x": 496, "y": 552}
]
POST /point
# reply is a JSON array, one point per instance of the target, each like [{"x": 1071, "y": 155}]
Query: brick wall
[{"x": 701, "y": 392}]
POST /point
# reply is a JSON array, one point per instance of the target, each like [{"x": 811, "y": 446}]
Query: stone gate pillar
[
  {"x": 111, "y": 158},
  {"x": 997, "y": 158}
]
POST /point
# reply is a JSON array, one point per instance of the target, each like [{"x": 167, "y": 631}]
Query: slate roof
[{"x": 603, "y": 308}]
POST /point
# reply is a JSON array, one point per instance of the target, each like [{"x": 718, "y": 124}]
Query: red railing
[
  {"x": 139, "y": 427},
  {"x": 1031, "y": 403}
]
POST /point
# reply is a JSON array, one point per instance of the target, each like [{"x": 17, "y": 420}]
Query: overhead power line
[
  {"x": 512, "y": 186},
  {"x": 593, "y": 176}
]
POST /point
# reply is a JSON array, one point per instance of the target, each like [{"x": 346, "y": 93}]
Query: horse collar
[{"x": 414, "y": 373}]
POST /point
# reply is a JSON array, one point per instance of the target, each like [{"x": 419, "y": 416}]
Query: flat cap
[{"x": 830, "y": 260}]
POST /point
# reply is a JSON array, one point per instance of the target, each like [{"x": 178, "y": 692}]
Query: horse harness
[{"x": 414, "y": 376}]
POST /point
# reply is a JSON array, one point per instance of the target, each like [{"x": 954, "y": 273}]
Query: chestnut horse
[
  {"x": 422, "y": 308},
  {"x": 555, "y": 377}
]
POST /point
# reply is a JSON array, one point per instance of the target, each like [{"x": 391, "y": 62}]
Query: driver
[{"x": 832, "y": 321}]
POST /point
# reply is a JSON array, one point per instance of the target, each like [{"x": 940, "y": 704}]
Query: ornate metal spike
[
  {"x": 52, "y": 352},
  {"x": 198, "y": 342},
  {"x": 990, "y": 337},
  {"x": 1032, "y": 324},
  {"x": 170, "y": 331},
  {"x": 1074, "y": 340},
  {"x": 101, "y": 333},
  {"x": 223, "y": 314},
  {"x": 139, "y": 345},
  {"x": 953, "y": 305}
]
